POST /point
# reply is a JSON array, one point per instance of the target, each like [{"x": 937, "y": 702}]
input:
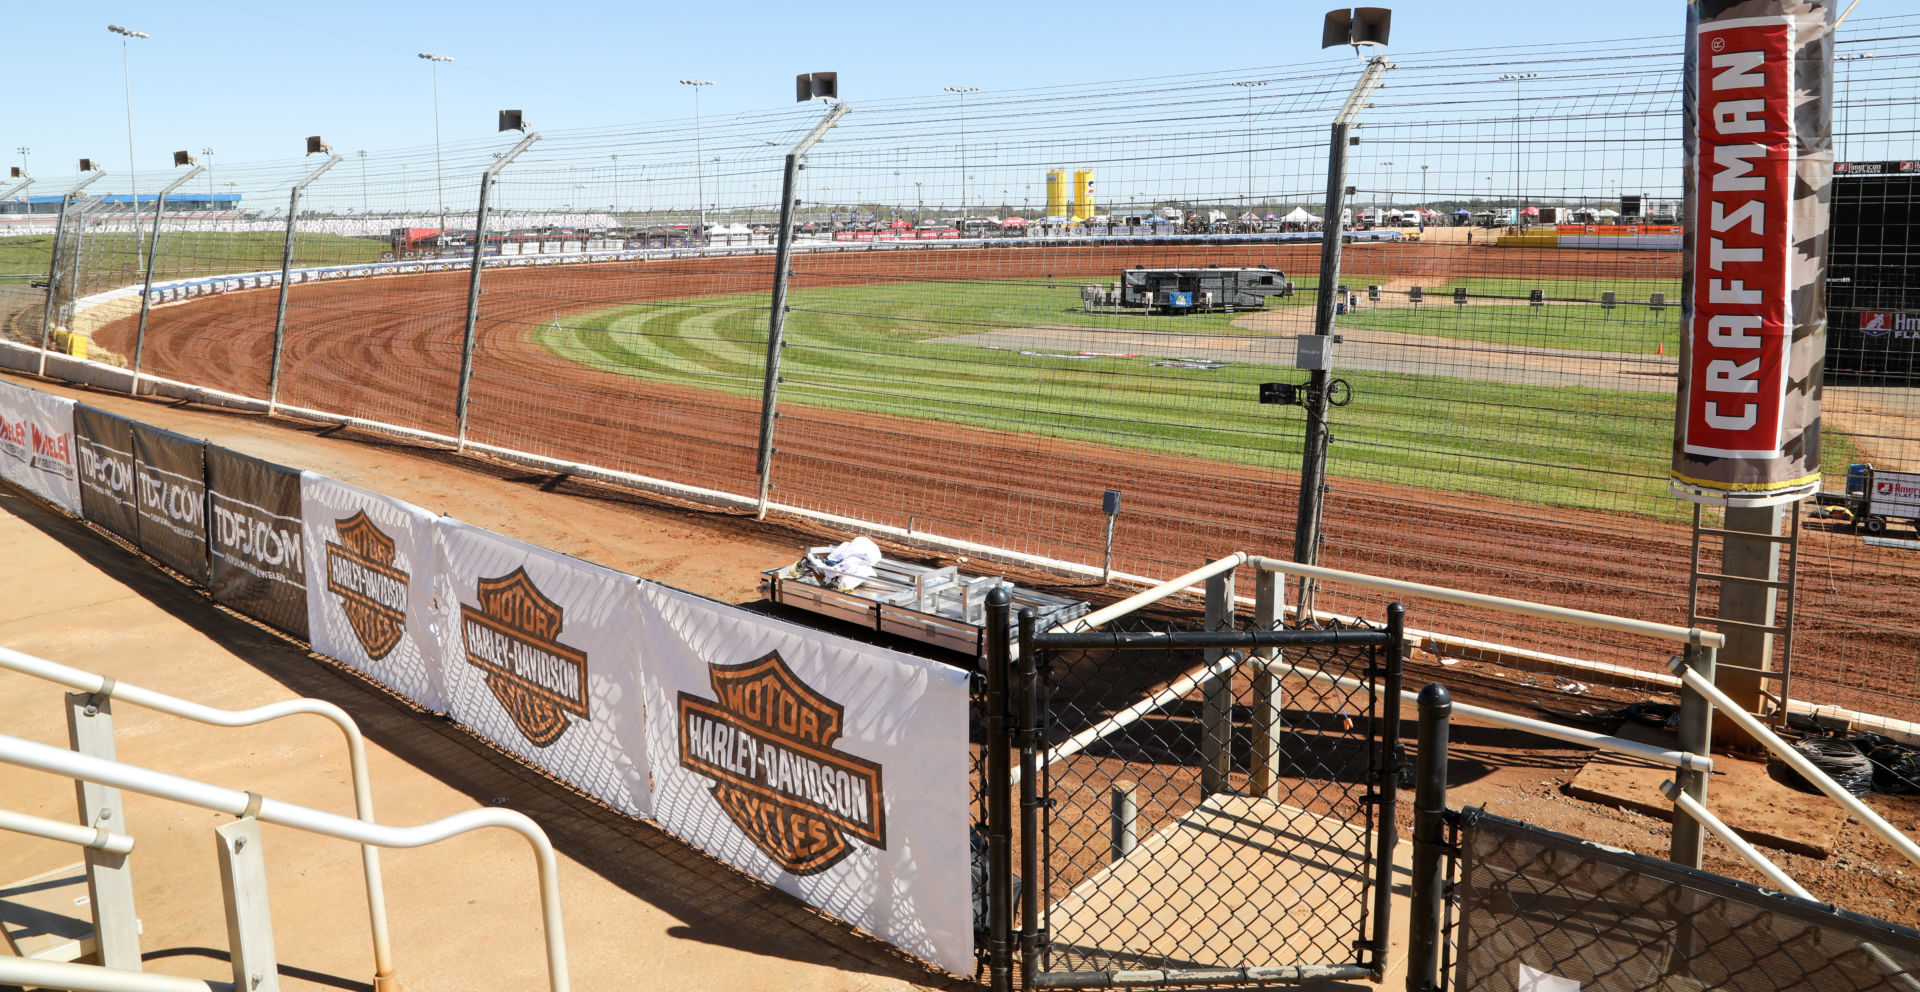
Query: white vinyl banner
[
  {"x": 834, "y": 770},
  {"x": 36, "y": 445},
  {"x": 370, "y": 563},
  {"x": 541, "y": 655}
]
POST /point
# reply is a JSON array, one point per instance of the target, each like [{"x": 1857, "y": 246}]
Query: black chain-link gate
[{"x": 1200, "y": 807}]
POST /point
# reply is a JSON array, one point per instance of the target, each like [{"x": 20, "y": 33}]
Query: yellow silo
[
  {"x": 1057, "y": 193},
  {"x": 1083, "y": 193}
]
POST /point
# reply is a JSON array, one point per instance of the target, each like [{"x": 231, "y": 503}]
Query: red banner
[{"x": 1742, "y": 323}]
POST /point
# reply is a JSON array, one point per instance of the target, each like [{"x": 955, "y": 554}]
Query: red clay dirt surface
[
  {"x": 388, "y": 349},
  {"x": 719, "y": 553}
]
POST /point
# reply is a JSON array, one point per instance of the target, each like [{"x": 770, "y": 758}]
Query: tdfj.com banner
[{"x": 1759, "y": 160}]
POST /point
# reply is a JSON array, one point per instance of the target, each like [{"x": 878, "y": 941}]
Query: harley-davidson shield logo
[
  {"x": 513, "y": 636},
  {"x": 373, "y": 593},
  {"x": 766, "y": 739}
]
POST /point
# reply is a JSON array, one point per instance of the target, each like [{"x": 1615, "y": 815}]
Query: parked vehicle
[{"x": 1875, "y": 498}]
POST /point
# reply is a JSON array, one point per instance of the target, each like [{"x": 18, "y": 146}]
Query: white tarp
[
  {"x": 834, "y": 770},
  {"x": 541, "y": 654},
  {"x": 370, "y": 564},
  {"x": 36, "y": 445}
]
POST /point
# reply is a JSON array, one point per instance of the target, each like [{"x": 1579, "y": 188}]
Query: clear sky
[{"x": 252, "y": 78}]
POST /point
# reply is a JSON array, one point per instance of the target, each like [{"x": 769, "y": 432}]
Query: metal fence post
[
  {"x": 1216, "y": 733},
  {"x": 473, "y": 283},
  {"x": 243, "y": 886},
  {"x": 146, "y": 287},
  {"x": 109, "y": 881},
  {"x": 1027, "y": 731},
  {"x": 1313, "y": 455},
  {"x": 53, "y": 267},
  {"x": 1269, "y": 698},
  {"x": 1389, "y": 785},
  {"x": 286, "y": 269},
  {"x": 999, "y": 793},
  {"x": 1429, "y": 837},
  {"x": 1696, "y": 737},
  {"x": 777, "y": 317}
]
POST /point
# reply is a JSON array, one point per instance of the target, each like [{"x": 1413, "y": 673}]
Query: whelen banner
[
  {"x": 1758, "y": 163},
  {"x": 541, "y": 655},
  {"x": 255, "y": 542},
  {"x": 369, "y": 573},
  {"x": 36, "y": 445},
  {"x": 103, "y": 446},
  {"x": 170, "y": 479},
  {"x": 835, "y": 771}
]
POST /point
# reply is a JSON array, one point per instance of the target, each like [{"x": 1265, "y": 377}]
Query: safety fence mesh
[
  {"x": 1004, "y": 303},
  {"x": 1535, "y": 910}
]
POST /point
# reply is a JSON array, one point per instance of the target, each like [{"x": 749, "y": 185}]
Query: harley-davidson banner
[
  {"x": 1758, "y": 162},
  {"x": 834, "y": 770},
  {"x": 370, "y": 561},
  {"x": 541, "y": 654}
]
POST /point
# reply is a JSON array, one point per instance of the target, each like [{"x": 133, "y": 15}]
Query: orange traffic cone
[{"x": 1660, "y": 348}]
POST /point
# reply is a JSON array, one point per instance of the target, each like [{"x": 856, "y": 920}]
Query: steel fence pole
[
  {"x": 146, "y": 286},
  {"x": 473, "y": 285},
  {"x": 1313, "y": 455},
  {"x": 1389, "y": 783},
  {"x": 777, "y": 317},
  {"x": 1429, "y": 837},
  {"x": 53, "y": 265},
  {"x": 1032, "y": 872},
  {"x": 286, "y": 270},
  {"x": 999, "y": 794},
  {"x": 1696, "y": 737},
  {"x": 1216, "y": 701}
]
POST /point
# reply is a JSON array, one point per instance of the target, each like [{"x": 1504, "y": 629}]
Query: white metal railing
[
  {"x": 109, "y": 688},
  {"x": 93, "y": 838},
  {"x": 1171, "y": 587},
  {"x": 234, "y": 802},
  {"x": 32, "y": 973},
  {"x": 1800, "y": 763}
]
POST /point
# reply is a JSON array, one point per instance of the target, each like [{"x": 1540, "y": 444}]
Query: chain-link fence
[
  {"x": 1003, "y": 303},
  {"x": 1538, "y": 910},
  {"x": 1208, "y": 807}
]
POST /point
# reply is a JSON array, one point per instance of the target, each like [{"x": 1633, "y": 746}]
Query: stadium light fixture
[
  {"x": 1250, "y": 85},
  {"x": 126, "y": 82},
  {"x": 1356, "y": 26},
  {"x": 439, "y": 182},
  {"x": 962, "y": 92},
  {"x": 699, "y": 167}
]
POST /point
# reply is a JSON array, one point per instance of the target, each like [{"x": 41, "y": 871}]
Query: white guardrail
[
  {"x": 104, "y": 687},
  {"x": 234, "y": 802}
]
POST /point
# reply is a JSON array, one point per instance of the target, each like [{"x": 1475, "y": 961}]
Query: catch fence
[{"x": 965, "y": 357}]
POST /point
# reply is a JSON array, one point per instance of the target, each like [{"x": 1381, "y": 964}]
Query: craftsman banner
[
  {"x": 255, "y": 545},
  {"x": 541, "y": 655},
  {"x": 103, "y": 446},
  {"x": 1758, "y": 164},
  {"x": 170, "y": 479},
  {"x": 834, "y": 770},
  {"x": 36, "y": 445},
  {"x": 369, "y": 574}
]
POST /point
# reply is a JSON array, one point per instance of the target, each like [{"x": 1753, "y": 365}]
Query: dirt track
[{"x": 388, "y": 349}]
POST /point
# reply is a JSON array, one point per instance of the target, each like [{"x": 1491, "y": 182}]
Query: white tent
[
  {"x": 1604, "y": 212},
  {"x": 1299, "y": 215}
]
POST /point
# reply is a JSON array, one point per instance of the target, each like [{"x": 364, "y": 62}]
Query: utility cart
[{"x": 938, "y": 606}]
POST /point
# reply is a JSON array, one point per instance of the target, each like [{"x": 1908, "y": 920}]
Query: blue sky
[{"x": 251, "y": 78}]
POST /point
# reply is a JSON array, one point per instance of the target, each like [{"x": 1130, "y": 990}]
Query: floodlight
[
  {"x": 510, "y": 120},
  {"x": 182, "y": 158},
  {"x": 317, "y": 147}
]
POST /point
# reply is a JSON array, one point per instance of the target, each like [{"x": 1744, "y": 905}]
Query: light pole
[
  {"x": 439, "y": 186},
  {"x": 362, "y": 155},
  {"x": 963, "y": 91},
  {"x": 1423, "y": 187},
  {"x": 699, "y": 167},
  {"x": 1376, "y": 209},
  {"x": 1517, "y": 78},
  {"x": 133, "y": 179},
  {"x": 615, "y": 206},
  {"x": 24, "y": 152},
  {"x": 207, "y": 153},
  {"x": 1250, "y": 85}
]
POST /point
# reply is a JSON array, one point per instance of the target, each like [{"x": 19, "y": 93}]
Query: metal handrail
[
  {"x": 102, "y": 686},
  {"x": 95, "y": 838},
  {"x": 1171, "y": 587},
  {"x": 1726, "y": 835},
  {"x": 33, "y": 972},
  {"x": 234, "y": 802},
  {"x": 1584, "y": 618},
  {"x": 1799, "y": 762}
]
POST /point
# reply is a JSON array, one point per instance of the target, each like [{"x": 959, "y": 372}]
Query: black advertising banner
[
  {"x": 254, "y": 539},
  {"x": 104, "y": 446},
  {"x": 171, "y": 477}
]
